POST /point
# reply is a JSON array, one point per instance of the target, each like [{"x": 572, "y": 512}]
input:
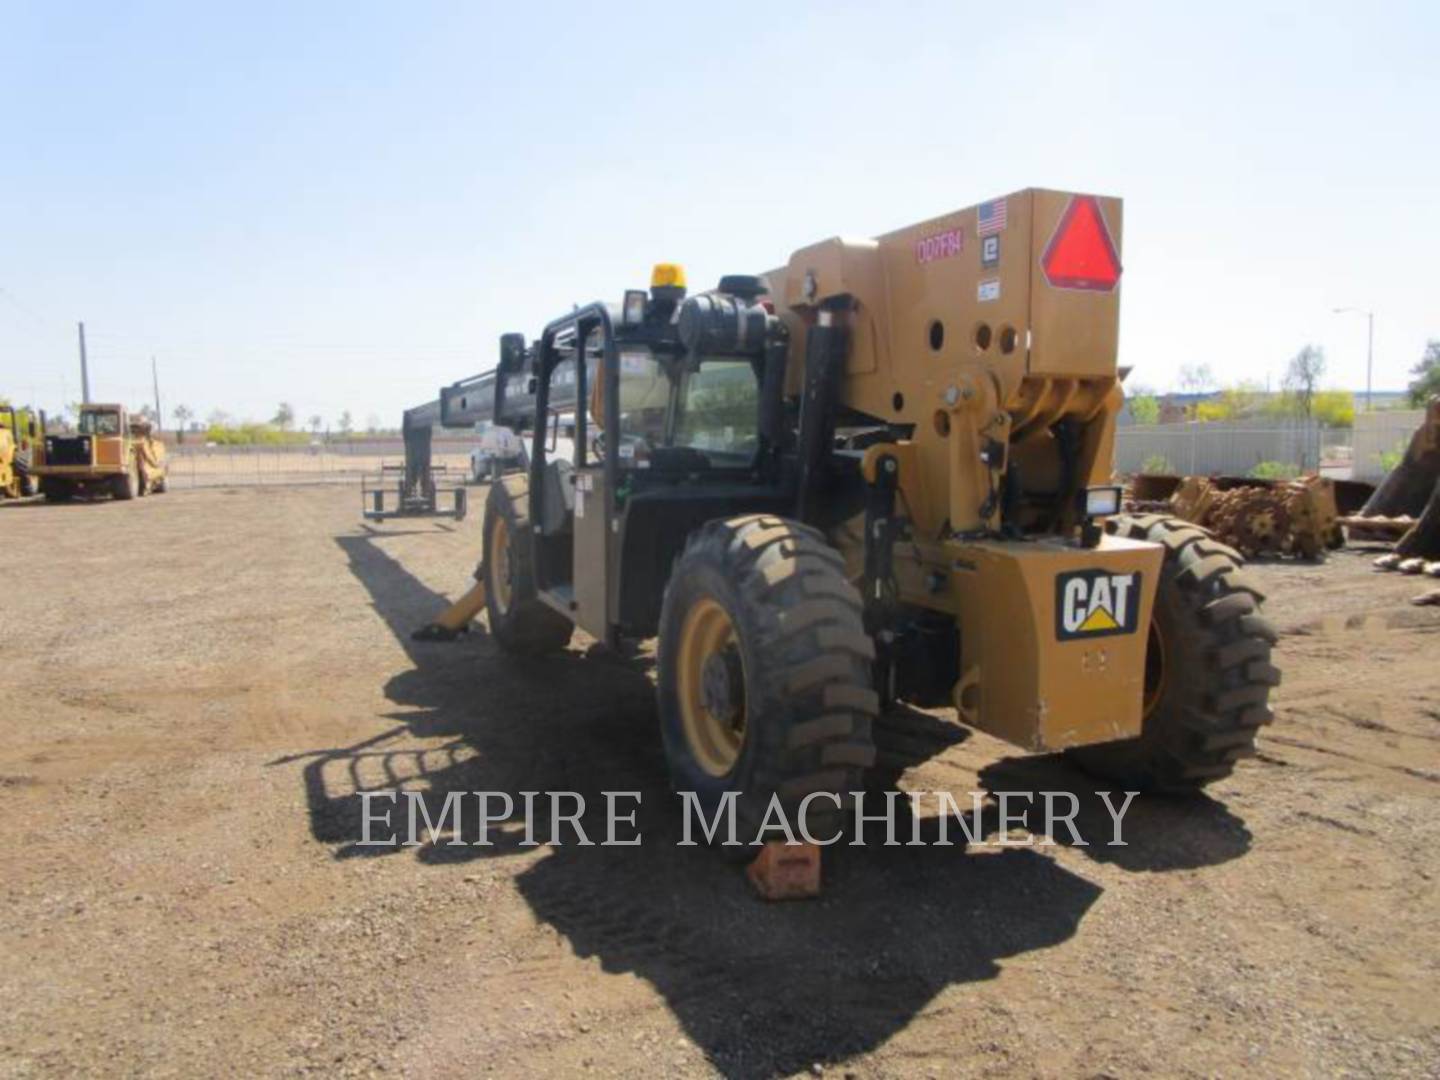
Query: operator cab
[{"x": 678, "y": 420}]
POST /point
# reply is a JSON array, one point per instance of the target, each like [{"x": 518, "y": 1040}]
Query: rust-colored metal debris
[{"x": 1262, "y": 517}]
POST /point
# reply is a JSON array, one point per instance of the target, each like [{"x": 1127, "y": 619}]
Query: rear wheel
[
  {"x": 1207, "y": 666},
  {"x": 127, "y": 486},
  {"x": 764, "y": 673},
  {"x": 517, "y": 618}
]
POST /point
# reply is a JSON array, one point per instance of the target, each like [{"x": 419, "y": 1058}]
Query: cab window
[
  {"x": 644, "y": 399},
  {"x": 99, "y": 423},
  {"x": 712, "y": 407},
  {"x": 720, "y": 410}
]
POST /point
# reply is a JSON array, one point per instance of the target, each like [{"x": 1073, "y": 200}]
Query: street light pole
[
  {"x": 1369, "y": 348},
  {"x": 1369, "y": 357}
]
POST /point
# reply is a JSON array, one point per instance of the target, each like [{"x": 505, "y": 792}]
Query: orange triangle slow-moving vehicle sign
[{"x": 1081, "y": 254}]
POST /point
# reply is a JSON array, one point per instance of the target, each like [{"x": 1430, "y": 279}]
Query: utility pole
[
  {"x": 84, "y": 370},
  {"x": 1369, "y": 358},
  {"x": 155, "y": 377}
]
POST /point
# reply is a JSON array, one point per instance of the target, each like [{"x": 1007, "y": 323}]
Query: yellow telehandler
[{"x": 881, "y": 471}]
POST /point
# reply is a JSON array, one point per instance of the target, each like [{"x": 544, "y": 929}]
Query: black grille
[{"x": 71, "y": 451}]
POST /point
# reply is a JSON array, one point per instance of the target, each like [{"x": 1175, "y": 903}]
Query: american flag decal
[{"x": 990, "y": 217}]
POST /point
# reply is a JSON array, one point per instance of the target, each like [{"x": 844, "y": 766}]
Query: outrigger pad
[
  {"x": 436, "y": 632},
  {"x": 786, "y": 871}
]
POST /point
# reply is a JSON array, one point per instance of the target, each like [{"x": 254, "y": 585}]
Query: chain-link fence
[
  {"x": 196, "y": 466},
  {"x": 1196, "y": 448}
]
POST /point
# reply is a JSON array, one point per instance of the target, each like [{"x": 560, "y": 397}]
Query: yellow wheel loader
[
  {"x": 112, "y": 451},
  {"x": 9, "y": 477},
  {"x": 24, "y": 431},
  {"x": 880, "y": 472}
]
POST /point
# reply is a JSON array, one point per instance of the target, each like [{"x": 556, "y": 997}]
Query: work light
[
  {"x": 633, "y": 312},
  {"x": 1102, "y": 501}
]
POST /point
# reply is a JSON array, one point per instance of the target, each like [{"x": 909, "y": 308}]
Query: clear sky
[{"x": 343, "y": 205}]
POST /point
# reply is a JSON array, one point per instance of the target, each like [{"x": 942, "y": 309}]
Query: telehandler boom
[{"x": 881, "y": 471}]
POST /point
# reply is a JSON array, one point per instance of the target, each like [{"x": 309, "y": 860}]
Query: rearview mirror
[{"x": 512, "y": 352}]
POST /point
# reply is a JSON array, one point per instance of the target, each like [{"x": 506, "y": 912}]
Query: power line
[{"x": 26, "y": 309}]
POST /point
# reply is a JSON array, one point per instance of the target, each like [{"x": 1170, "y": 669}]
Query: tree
[
  {"x": 1196, "y": 379},
  {"x": 372, "y": 423},
  {"x": 219, "y": 418},
  {"x": 284, "y": 417},
  {"x": 182, "y": 414},
  {"x": 1238, "y": 402},
  {"x": 1143, "y": 405},
  {"x": 1335, "y": 408},
  {"x": 1426, "y": 383},
  {"x": 1302, "y": 379},
  {"x": 347, "y": 423},
  {"x": 315, "y": 423}
]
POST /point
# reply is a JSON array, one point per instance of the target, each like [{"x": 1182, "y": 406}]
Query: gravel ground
[{"x": 198, "y": 684}]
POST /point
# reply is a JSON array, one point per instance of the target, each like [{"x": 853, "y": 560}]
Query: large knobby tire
[
  {"x": 127, "y": 486},
  {"x": 518, "y": 620},
  {"x": 1208, "y": 672},
  {"x": 764, "y": 674}
]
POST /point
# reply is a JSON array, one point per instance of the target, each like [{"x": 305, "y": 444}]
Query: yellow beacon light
[{"x": 667, "y": 275}]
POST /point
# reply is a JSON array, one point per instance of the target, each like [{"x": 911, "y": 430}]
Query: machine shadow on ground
[{"x": 762, "y": 989}]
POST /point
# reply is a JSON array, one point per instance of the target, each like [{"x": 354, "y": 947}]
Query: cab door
[
  {"x": 627, "y": 402},
  {"x": 594, "y": 489}
]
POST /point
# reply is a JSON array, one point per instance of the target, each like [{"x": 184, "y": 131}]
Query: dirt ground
[{"x": 196, "y": 686}]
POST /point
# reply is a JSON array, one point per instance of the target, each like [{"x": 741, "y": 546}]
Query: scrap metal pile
[
  {"x": 1306, "y": 517},
  {"x": 1257, "y": 517}
]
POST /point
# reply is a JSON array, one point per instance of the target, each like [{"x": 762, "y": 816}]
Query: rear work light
[
  {"x": 1081, "y": 254},
  {"x": 1103, "y": 501}
]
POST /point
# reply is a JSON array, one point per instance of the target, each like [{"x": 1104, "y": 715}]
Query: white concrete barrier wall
[
  {"x": 1231, "y": 449},
  {"x": 1378, "y": 433}
]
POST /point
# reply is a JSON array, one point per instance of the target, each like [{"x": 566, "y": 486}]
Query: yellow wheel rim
[
  {"x": 711, "y": 678},
  {"x": 1155, "y": 666},
  {"x": 501, "y": 571}
]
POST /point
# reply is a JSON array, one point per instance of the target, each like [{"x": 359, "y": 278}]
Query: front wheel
[
  {"x": 1207, "y": 668},
  {"x": 764, "y": 674},
  {"x": 520, "y": 622}
]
